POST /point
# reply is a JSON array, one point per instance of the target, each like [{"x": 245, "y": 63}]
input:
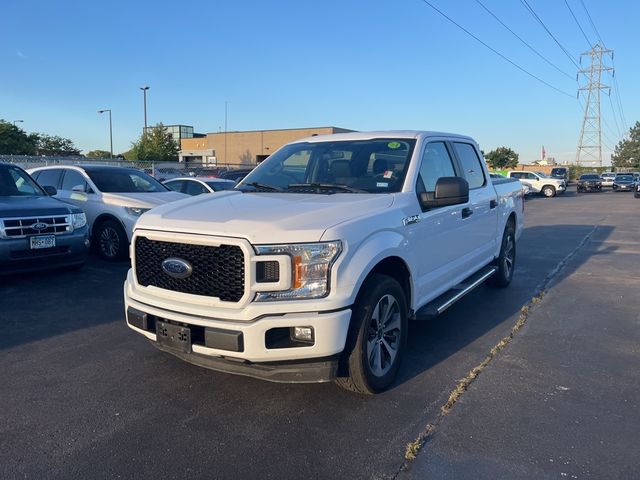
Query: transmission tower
[{"x": 590, "y": 144}]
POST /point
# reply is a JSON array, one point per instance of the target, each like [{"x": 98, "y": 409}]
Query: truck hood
[
  {"x": 263, "y": 218},
  {"x": 142, "y": 199},
  {"x": 23, "y": 206}
]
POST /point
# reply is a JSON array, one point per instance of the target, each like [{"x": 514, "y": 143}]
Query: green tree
[
  {"x": 154, "y": 144},
  {"x": 52, "y": 145},
  {"x": 14, "y": 141},
  {"x": 627, "y": 152},
  {"x": 98, "y": 154},
  {"x": 501, "y": 158}
]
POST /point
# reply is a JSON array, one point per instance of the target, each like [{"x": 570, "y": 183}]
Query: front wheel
[
  {"x": 548, "y": 191},
  {"x": 377, "y": 336},
  {"x": 506, "y": 260},
  {"x": 111, "y": 241}
]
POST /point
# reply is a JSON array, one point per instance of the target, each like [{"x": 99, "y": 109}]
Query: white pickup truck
[
  {"x": 310, "y": 270},
  {"x": 539, "y": 182}
]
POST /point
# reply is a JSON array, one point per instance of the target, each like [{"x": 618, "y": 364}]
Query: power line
[
  {"x": 535, "y": 15},
  {"x": 613, "y": 112},
  {"x": 496, "y": 52},
  {"x": 593, "y": 25},
  {"x": 524, "y": 42},
  {"x": 578, "y": 23}
]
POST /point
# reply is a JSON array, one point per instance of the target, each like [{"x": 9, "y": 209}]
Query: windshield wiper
[
  {"x": 324, "y": 186},
  {"x": 262, "y": 186}
]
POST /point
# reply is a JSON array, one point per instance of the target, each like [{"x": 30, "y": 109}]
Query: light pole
[
  {"x": 17, "y": 121},
  {"x": 144, "y": 93},
  {"x": 110, "y": 129}
]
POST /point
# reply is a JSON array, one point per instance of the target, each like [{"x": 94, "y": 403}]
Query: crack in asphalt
[{"x": 413, "y": 448}]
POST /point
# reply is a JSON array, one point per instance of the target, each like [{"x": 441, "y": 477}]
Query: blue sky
[{"x": 359, "y": 64}]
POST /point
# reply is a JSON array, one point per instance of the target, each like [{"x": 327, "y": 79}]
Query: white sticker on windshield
[
  {"x": 382, "y": 185},
  {"x": 388, "y": 174}
]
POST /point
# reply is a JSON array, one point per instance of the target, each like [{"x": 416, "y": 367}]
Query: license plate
[
  {"x": 45, "y": 241},
  {"x": 173, "y": 337}
]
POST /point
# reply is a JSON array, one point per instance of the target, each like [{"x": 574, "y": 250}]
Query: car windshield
[
  {"x": 589, "y": 177},
  {"x": 16, "y": 182},
  {"x": 624, "y": 178},
  {"x": 543, "y": 175},
  {"x": 348, "y": 166},
  {"x": 609, "y": 175},
  {"x": 125, "y": 180}
]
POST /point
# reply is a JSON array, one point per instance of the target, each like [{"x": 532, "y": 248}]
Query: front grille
[
  {"x": 22, "y": 227},
  {"x": 217, "y": 271}
]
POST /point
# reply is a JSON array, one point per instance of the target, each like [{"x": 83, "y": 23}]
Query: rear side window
[
  {"x": 473, "y": 171},
  {"x": 436, "y": 163},
  {"x": 175, "y": 186},
  {"x": 194, "y": 188},
  {"x": 50, "y": 178},
  {"x": 73, "y": 179}
]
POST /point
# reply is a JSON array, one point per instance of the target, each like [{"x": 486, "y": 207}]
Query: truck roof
[{"x": 382, "y": 134}]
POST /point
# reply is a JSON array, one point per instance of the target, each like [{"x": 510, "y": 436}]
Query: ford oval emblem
[
  {"x": 39, "y": 226},
  {"x": 177, "y": 267}
]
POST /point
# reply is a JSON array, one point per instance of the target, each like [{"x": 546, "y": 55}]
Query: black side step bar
[{"x": 444, "y": 301}]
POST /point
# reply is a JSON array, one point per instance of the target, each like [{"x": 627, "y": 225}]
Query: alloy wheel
[{"x": 384, "y": 334}]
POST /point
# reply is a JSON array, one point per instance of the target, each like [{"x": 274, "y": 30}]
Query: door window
[
  {"x": 50, "y": 178},
  {"x": 194, "y": 188},
  {"x": 473, "y": 171},
  {"x": 175, "y": 186},
  {"x": 436, "y": 163},
  {"x": 73, "y": 179}
]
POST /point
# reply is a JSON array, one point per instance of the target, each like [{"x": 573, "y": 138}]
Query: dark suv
[
  {"x": 561, "y": 173},
  {"x": 37, "y": 231}
]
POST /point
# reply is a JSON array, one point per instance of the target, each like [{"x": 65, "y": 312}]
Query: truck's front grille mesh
[{"x": 216, "y": 271}]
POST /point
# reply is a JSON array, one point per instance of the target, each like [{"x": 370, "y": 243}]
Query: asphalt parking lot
[{"x": 84, "y": 397}]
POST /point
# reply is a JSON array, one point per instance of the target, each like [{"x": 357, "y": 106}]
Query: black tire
[
  {"x": 111, "y": 241},
  {"x": 372, "y": 338},
  {"x": 506, "y": 261},
  {"x": 548, "y": 191}
]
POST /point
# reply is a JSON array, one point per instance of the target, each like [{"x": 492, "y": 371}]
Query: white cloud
[{"x": 20, "y": 54}]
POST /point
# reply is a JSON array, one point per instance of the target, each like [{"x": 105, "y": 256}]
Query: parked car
[
  {"x": 310, "y": 269},
  {"x": 164, "y": 173},
  {"x": 540, "y": 183},
  {"x": 112, "y": 197},
  {"x": 561, "y": 173},
  {"x": 235, "y": 174},
  {"x": 526, "y": 187},
  {"x": 636, "y": 193},
  {"x": 589, "y": 182},
  {"x": 208, "y": 172},
  {"x": 198, "y": 185},
  {"x": 607, "y": 179},
  {"x": 36, "y": 231},
  {"x": 624, "y": 182}
]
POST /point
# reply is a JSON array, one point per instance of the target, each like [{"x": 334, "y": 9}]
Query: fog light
[{"x": 303, "y": 334}]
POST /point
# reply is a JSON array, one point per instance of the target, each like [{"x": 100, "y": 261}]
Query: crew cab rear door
[{"x": 481, "y": 213}]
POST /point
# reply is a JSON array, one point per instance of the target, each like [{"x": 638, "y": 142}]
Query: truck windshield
[
  {"x": 16, "y": 182},
  {"x": 348, "y": 166}
]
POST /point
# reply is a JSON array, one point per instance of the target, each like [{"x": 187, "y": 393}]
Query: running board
[{"x": 444, "y": 301}]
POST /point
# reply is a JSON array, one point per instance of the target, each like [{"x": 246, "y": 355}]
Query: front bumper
[
  {"x": 254, "y": 353},
  {"x": 16, "y": 255}
]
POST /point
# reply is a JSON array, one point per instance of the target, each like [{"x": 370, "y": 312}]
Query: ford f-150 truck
[{"x": 311, "y": 268}]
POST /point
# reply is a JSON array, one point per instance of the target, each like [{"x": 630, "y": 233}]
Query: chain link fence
[{"x": 159, "y": 169}]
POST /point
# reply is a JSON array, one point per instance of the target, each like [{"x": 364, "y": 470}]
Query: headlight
[
  {"x": 136, "y": 211},
  {"x": 78, "y": 220},
  {"x": 311, "y": 268}
]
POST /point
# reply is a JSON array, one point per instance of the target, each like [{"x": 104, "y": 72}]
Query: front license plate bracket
[{"x": 173, "y": 337}]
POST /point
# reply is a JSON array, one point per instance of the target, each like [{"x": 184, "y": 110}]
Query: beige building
[{"x": 251, "y": 147}]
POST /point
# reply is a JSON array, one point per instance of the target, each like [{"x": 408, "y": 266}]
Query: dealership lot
[{"x": 84, "y": 397}]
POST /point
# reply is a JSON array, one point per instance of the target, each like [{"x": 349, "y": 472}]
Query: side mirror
[
  {"x": 449, "y": 191},
  {"x": 78, "y": 188},
  {"x": 51, "y": 191}
]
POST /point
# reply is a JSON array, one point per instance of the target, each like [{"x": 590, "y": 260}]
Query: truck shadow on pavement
[{"x": 486, "y": 315}]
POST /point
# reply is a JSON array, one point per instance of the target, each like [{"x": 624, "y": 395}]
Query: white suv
[
  {"x": 112, "y": 197},
  {"x": 540, "y": 182}
]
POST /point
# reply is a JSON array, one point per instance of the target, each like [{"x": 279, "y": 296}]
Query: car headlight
[
  {"x": 136, "y": 211},
  {"x": 311, "y": 268},
  {"x": 78, "y": 220}
]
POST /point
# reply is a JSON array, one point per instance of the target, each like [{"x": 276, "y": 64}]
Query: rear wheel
[
  {"x": 377, "y": 337},
  {"x": 549, "y": 191},
  {"x": 506, "y": 261},
  {"x": 111, "y": 241}
]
